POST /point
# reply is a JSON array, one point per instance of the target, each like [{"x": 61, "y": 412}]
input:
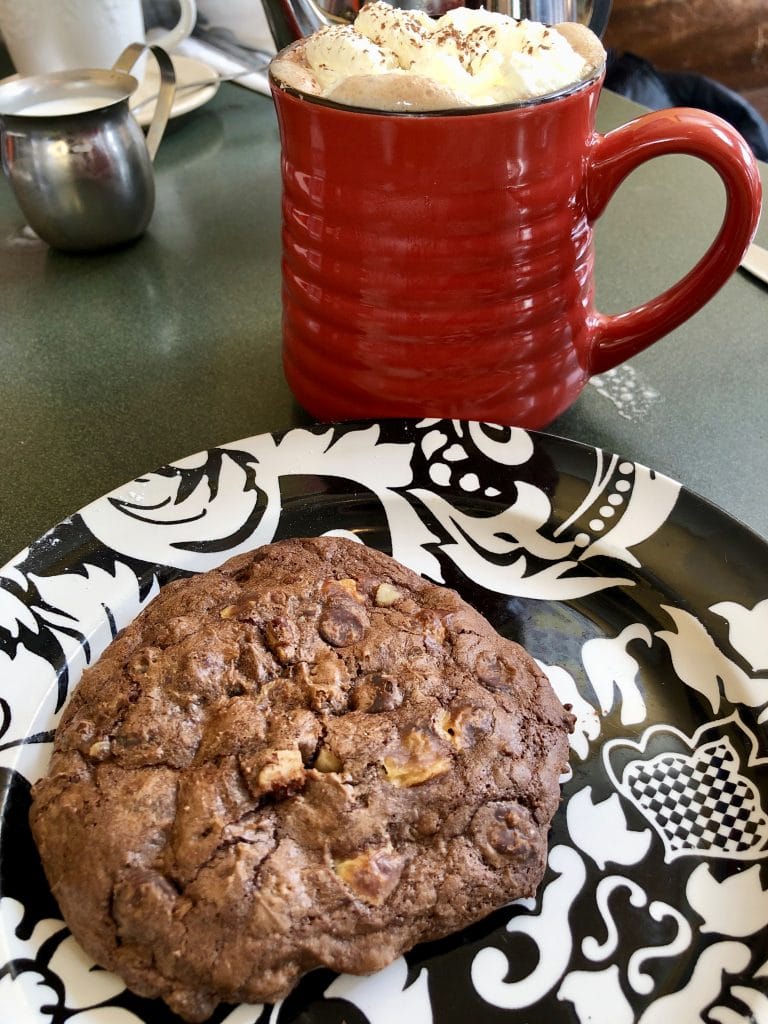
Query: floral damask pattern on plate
[{"x": 644, "y": 605}]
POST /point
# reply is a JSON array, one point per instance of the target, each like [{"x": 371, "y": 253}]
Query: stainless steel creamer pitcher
[{"x": 76, "y": 157}]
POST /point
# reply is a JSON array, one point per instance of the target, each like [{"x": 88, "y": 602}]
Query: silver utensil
[
  {"x": 223, "y": 39},
  {"x": 755, "y": 262},
  {"x": 201, "y": 84}
]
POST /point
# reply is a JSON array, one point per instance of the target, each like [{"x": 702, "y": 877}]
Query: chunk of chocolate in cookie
[{"x": 308, "y": 757}]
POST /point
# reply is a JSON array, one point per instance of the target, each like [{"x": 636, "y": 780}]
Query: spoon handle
[{"x": 201, "y": 83}]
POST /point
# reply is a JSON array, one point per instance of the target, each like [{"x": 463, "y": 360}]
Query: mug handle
[
  {"x": 682, "y": 130},
  {"x": 181, "y": 30},
  {"x": 165, "y": 97}
]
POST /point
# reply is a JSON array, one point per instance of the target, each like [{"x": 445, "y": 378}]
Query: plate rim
[{"x": 546, "y": 437}]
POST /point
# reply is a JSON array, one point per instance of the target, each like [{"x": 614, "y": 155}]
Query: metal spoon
[{"x": 201, "y": 84}]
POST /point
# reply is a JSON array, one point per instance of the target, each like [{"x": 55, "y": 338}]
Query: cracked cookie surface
[{"x": 308, "y": 757}]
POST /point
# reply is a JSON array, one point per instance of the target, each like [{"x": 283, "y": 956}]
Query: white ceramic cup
[{"x": 53, "y": 35}]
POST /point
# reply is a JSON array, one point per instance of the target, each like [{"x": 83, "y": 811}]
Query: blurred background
[{"x": 725, "y": 40}]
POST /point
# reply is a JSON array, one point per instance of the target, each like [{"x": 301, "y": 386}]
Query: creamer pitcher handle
[
  {"x": 612, "y": 339},
  {"x": 125, "y": 62}
]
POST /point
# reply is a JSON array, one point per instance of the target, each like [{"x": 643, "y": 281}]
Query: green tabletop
[{"x": 115, "y": 364}]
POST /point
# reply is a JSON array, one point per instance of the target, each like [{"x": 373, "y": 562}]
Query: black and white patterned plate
[{"x": 647, "y": 607}]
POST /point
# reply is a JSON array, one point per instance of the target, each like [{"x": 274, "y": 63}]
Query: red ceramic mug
[{"x": 442, "y": 264}]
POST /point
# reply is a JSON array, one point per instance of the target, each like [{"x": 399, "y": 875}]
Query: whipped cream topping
[
  {"x": 334, "y": 54},
  {"x": 465, "y": 58}
]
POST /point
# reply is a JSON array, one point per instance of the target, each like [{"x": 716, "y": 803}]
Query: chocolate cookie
[{"x": 310, "y": 756}]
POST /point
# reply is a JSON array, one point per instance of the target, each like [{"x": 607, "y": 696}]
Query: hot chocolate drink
[
  {"x": 441, "y": 180},
  {"x": 401, "y": 60}
]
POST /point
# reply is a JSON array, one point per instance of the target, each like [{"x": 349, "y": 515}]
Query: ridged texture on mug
[{"x": 436, "y": 265}]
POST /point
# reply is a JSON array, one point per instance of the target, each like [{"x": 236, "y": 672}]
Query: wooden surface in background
[{"x": 726, "y": 40}]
